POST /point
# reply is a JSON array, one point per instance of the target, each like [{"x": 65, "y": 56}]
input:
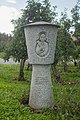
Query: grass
[
  {"x": 73, "y": 73},
  {"x": 66, "y": 97}
]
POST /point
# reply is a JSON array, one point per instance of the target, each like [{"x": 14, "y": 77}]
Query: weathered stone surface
[
  {"x": 41, "y": 42},
  {"x": 41, "y": 94}
]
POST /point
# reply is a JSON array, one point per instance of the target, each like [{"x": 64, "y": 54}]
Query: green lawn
[{"x": 66, "y": 97}]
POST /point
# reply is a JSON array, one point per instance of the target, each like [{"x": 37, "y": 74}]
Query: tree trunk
[
  {"x": 56, "y": 74},
  {"x": 75, "y": 63},
  {"x": 21, "y": 71},
  {"x": 28, "y": 67},
  {"x": 65, "y": 65},
  {"x": 55, "y": 69}
]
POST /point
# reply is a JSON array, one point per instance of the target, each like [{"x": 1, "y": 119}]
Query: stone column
[
  {"x": 41, "y": 95},
  {"x": 41, "y": 42}
]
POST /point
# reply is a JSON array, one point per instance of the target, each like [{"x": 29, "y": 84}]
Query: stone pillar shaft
[{"x": 41, "y": 94}]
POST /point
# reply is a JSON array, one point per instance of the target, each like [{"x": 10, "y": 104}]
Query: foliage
[
  {"x": 66, "y": 43},
  {"x": 65, "y": 46},
  {"x": 4, "y": 39},
  {"x": 2, "y": 54},
  {"x": 76, "y": 24},
  {"x": 39, "y": 11},
  {"x": 75, "y": 13},
  {"x": 76, "y": 19},
  {"x": 17, "y": 47}
]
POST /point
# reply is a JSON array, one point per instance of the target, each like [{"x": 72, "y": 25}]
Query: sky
[{"x": 10, "y": 9}]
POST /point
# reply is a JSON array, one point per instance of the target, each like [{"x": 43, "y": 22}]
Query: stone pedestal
[
  {"x": 41, "y": 42},
  {"x": 41, "y": 95}
]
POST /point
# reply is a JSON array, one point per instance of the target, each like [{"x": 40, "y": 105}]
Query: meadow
[{"x": 66, "y": 96}]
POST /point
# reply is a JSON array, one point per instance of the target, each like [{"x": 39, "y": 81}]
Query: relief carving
[{"x": 42, "y": 45}]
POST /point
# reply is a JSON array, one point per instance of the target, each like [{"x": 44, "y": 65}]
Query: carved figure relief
[{"x": 42, "y": 45}]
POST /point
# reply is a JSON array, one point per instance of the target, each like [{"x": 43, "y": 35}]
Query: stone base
[{"x": 41, "y": 94}]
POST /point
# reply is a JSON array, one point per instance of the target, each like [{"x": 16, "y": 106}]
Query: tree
[
  {"x": 34, "y": 11},
  {"x": 76, "y": 19},
  {"x": 75, "y": 13},
  {"x": 66, "y": 45},
  {"x": 76, "y": 24},
  {"x": 4, "y": 39}
]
